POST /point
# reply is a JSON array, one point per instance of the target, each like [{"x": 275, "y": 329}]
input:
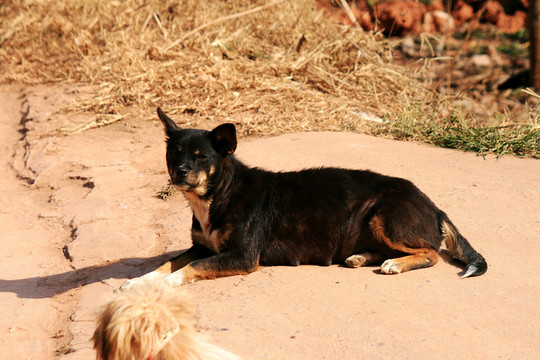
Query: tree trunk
[{"x": 534, "y": 39}]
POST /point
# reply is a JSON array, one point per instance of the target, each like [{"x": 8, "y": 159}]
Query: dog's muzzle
[
  {"x": 183, "y": 177},
  {"x": 180, "y": 175}
]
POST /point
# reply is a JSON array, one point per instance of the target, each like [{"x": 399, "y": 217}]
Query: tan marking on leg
[
  {"x": 190, "y": 274},
  {"x": 179, "y": 262},
  {"x": 184, "y": 259},
  {"x": 410, "y": 262},
  {"x": 419, "y": 258}
]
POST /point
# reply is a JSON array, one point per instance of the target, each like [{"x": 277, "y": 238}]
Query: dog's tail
[
  {"x": 152, "y": 321},
  {"x": 460, "y": 249}
]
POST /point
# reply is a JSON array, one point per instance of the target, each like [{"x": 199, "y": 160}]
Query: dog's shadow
[{"x": 40, "y": 287}]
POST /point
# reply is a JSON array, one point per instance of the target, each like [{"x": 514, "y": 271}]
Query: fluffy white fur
[{"x": 151, "y": 321}]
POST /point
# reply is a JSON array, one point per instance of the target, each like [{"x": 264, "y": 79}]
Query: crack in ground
[
  {"x": 24, "y": 120},
  {"x": 64, "y": 302}
]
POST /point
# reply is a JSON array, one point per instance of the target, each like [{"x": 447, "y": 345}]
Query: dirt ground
[{"x": 79, "y": 215}]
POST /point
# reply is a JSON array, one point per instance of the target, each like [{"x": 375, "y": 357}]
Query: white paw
[
  {"x": 145, "y": 279},
  {"x": 175, "y": 279},
  {"x": 355, "y": 261},
  {"x": 390, "y": 267}
]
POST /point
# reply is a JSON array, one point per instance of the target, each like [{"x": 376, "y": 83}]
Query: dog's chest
[{"x": 201, "y": 210}]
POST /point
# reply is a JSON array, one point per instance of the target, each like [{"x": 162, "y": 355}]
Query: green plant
[
  {"x": 520, "y": 140},
  {"x": 513, "y": 49},
  {"x": 520, "y": 35},
  {"x": 454, "y": 132}
]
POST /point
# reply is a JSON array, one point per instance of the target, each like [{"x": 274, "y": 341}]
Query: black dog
[{"x": 245, "y": 217}]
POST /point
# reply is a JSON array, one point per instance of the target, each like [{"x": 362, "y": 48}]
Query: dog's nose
[{"x": 182, "y": 172}]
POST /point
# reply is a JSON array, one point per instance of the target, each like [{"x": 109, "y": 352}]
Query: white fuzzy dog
[{"x": 151, "y": 321}]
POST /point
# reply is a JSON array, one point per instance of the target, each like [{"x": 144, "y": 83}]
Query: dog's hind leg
[
  {"x": 416, "y": 258},
  {"x": 364, "y": 259},
  {"x": 423, "y": 258}
]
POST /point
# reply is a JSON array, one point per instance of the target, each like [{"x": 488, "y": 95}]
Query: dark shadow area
[{"x": 51, "y": 285}]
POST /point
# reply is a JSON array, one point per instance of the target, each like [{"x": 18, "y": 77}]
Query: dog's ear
[
  {"x": 223, "y": 139},
  {"x": 170, "y": 126}
]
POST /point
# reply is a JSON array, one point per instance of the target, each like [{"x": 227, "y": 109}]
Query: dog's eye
[{"x": 201, "y": 156}]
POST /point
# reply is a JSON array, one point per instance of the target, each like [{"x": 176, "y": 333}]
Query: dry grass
[
  {"x": 270, "y": 67},
  {"x": 248, "y": 69}
]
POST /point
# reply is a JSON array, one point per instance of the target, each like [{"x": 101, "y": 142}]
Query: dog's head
[{"x": 195, "y": 156}]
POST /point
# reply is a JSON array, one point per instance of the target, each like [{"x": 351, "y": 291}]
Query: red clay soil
[
  {"x": 79, "y": 215},
  {"x": 405, "y": 17}
]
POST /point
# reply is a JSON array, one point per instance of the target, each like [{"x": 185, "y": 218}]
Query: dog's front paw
[
  {"x": 175, "y": 279},
  {"x": 145, "y": 279}
]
